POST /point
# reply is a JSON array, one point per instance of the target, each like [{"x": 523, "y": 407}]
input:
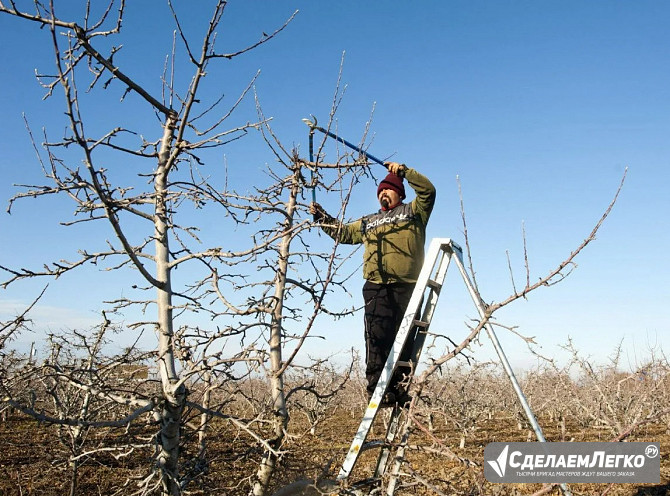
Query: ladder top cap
[{"x": 446, "y": 241}]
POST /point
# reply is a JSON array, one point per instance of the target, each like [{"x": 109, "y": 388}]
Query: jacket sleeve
[
  {"x": 348, "y": 234},
  {"x": 425, "y": 193}
]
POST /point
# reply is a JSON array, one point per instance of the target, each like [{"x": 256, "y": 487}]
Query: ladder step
[
  {"x": 422, "y": 324},
  {"x": 401, "y": 363},
  {"x": 355, "y": 488},
  {"x": 434, "y": 285},
  {"x": 377, "y": 443}
]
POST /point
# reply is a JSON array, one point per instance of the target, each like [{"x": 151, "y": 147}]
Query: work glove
[{"x": 317, "y": 211}]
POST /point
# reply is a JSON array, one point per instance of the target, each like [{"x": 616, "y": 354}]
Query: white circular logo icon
[{"x": 651, "y": 451}]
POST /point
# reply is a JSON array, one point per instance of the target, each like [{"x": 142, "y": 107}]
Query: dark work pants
[{"x": 385, "y": 306}]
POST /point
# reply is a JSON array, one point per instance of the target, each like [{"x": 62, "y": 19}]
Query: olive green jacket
[{"x": 394, "y": 239}]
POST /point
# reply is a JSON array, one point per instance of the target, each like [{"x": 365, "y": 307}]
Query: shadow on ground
[{"x": 663, "y": 490}]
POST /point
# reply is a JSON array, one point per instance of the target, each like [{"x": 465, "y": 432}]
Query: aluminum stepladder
[{"x": 416, "y": 322}]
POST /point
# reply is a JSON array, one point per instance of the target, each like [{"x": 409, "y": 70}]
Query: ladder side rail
[
  {"x": 437, "y": 247},
  {"x": 503, "y": 359},
  {"x": 398, "y": 459},
  {"x": 419, "y": 340},
  {"x": 431, "y": 304},
  {"x": 390, "y": 365},
  {"x": 421, "y": 333},
  {"x": 499, "y": 351},
  {"x": 400, "y": 450},
  {"x": 407, "y": 323},
  {"x": 427, "y": 316},
  {"x": 448, "y": 248},
  {"x": 417, "y": 346},
  {"x": 429, "y": 308},
  {"x": 382, "y": 459}
]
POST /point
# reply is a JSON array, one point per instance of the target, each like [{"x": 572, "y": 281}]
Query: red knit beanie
[{"x": 391, "y": 181}]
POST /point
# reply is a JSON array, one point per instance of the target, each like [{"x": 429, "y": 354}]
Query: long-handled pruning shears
[
  {"x": 313, "y": 125},
  {"x": 311, "y": 159}
]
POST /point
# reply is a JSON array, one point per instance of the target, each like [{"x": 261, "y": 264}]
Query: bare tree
[
  {"x": 556, "y": 275},
  {"x": 462, "y": 397},
  {"x": 314, "y": 390},
  {"x": 292, "y": 278},
  {"x": 619, "y": 398},
  {"x": 220, "y": 314},
  {"x": 188, "y": 128},
  {"x": 76, "y": 390},
  {"x": 231, "y": 321}
]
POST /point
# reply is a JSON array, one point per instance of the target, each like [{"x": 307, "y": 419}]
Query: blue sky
[{"x": 538, "y": 107}]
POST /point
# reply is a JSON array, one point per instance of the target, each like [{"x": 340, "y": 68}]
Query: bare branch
[{"x": 264, "y": 39}]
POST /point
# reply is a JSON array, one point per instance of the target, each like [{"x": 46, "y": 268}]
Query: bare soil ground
[{"x": 34, "y": 462}]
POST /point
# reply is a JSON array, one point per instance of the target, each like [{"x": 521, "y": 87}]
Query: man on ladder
[{"x": 394, "y": 239}]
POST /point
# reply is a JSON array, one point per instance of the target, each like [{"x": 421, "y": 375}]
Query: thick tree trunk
[
  {"x": 173, "y": 397},
  {"x": 269, "y": 461}
]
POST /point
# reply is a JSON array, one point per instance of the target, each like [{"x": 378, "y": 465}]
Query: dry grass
[{"x": 32, "y": 462}]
